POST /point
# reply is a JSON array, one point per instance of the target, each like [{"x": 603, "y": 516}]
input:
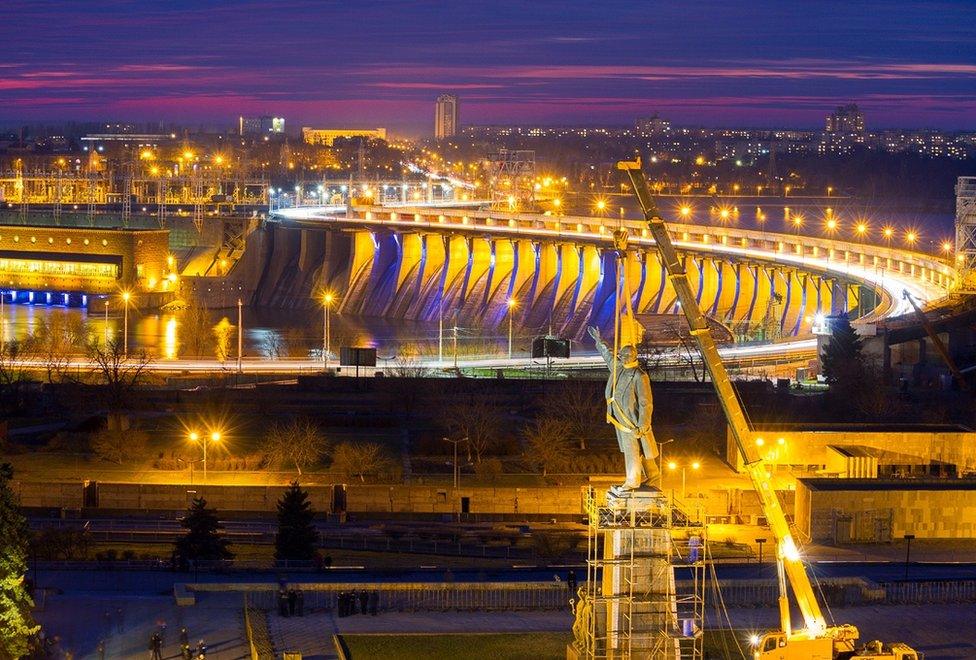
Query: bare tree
[
  {"x": 478, "y": 420},
  {"x": 547, "y": 444},
  {"x": 14, "y": 375},
  {"x": 196, "y": 330},
  {"x": 116, "y": 444},
  {"x": 222, "y": 335},
  {"x": 299, "y": 442},
  {"x": 686, "y": 352},
  {"x": 360, "y": 459},
  {"x": 120, "y": 373},
  {"x": 54, "y": 339},
  {"x": 409, "y": 366},
  {"x": 581, "y": 406},
  {"x": 273, "y": 345}
]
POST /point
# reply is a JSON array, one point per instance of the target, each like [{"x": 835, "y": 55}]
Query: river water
[{"x": 287, "y": 333}]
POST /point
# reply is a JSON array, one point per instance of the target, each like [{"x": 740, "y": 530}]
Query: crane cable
[{"x": 621, "y": 292}]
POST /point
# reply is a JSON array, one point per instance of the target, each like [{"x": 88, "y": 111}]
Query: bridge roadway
[{"x": 886, "y": 269}]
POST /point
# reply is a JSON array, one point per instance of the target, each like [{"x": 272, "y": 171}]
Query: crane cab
[
  {"x": 878, "y": 651},
  {"x": 776, "y": 646}
]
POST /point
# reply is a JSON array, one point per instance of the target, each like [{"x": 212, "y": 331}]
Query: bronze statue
[{"x": 630, "y": 404}]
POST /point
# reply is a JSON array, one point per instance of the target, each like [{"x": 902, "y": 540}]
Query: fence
[
  {"x": 948, "y": 591},
  {"x": 418, "y": 596},
  {"x": 256, "y": 631}
]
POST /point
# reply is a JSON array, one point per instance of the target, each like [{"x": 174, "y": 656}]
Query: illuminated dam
[{"x": 464, "y": 265}]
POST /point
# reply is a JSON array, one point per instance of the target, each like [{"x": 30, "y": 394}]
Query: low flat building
[
  {"x": 884, "y": 510},
  {"x": 897, "y": 449},
  {"x": 327, "y": 136},
  {"x": 67, "y": 265}
]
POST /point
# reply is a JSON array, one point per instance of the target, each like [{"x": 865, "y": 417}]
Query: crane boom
[
  {"x": 788, "y": 553},
  {"x": 937, "y": 342}
]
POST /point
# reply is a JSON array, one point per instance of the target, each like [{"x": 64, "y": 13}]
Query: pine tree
[
  {"x": 16, "y": 620},
  {"x": 842, "y": 359},
  {"x": 297, "y": 536},
  {"x": 202, "y": 540}
]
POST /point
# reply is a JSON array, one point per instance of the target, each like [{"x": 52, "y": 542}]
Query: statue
[{"x": 630, "y": 404}]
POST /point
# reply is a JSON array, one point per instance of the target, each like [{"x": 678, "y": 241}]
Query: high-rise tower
[{"x": 446, "y": 116}]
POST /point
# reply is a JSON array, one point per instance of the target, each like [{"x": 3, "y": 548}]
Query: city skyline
[{"x": 385, "y": 64}]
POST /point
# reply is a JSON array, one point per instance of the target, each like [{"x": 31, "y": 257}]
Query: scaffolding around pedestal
[{"x": 644, "y": 594}]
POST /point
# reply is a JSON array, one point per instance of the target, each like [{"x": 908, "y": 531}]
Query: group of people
[
  {"x": 158, "y": 638},
  {"x": 291, "y": 602},
  {"x": 369, "y": 602}
]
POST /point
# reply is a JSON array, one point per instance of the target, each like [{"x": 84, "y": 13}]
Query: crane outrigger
[{"x": 816, "y": 640}]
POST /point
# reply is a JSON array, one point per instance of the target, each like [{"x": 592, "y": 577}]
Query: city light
[{"x": 685, "y": 211}]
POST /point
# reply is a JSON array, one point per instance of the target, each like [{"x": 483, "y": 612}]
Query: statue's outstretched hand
[{"x": 594, "y": 332}]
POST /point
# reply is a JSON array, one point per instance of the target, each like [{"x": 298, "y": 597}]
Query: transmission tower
[
  {"x": 966, "y": 233},
  {"x": 197, "y": 191},
  {"x": 91, "y": 196},
  {"x": 161, "y": 199},
  {"x": 126, "y": 194},
  {"x": 57, "y": 196}
]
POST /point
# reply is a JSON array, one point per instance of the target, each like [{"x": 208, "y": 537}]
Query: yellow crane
[{"x": 815, "y": 640}]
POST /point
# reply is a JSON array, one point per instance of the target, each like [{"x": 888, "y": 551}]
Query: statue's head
[
  {"x": 631, "y": 331},
  {"x": 628, "y": 356}
]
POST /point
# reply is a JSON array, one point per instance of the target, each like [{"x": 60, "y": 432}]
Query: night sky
[{"x": 768, "y": 63}]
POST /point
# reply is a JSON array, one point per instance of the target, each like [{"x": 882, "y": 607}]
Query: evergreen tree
[
  {"x": 16, "y": 620},
  {"x": 842, "y": 360},
  {"x": 297, "y": 536},
  {"x": 201, "y": 540}
]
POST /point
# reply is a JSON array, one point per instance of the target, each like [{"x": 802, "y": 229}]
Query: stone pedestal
[{"x": 638, "y": 581}]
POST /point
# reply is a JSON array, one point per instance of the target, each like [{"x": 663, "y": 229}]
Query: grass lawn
[
  {"x": 497, "y": 646},
  {"x": 718, "y": 645}
]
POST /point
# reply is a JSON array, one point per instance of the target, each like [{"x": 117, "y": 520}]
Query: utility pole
[
  {"x": 440, "y": 330},
  {"x": 456, "y": 470},
  {"x": 455, "y": 347},
  {"x": 240, "y": 333}
]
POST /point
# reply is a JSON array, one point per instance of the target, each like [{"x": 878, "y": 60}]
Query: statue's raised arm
[{"x": 600, "y": 345}]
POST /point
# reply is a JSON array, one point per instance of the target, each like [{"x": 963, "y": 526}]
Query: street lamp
[
  {"x": 456, "y": 470},
  {"x": 126, "y": 296},
  {"x": 511, "y": 315},
  {"x": 240, "y": 333},
  {"x": 214, "y": 436},
  {"x": 673, "y": 465},
  {"x": 327, "y": 299},
  {"x": 908, "y": 551}
]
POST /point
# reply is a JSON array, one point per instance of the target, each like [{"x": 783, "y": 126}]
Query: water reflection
[{"x": 271, "y": 333}]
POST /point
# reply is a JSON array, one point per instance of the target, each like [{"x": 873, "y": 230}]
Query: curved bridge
[{"x": 419, "y": 263}]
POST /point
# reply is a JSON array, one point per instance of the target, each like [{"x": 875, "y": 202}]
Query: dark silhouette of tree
[
  {"x": 842, "y": 361},
  {"x": 479, "y": 421},
  {"x": 15, "y": 378},
  {"x": 297, "y": 537},
  {"x": 120, "y": 373},
  {"x": 16, "y": 620},
  {"x": 360, "y": 459},
  {"x": 202, "y": 540},
  {"x": 116, "y": 445},
  {"x": 581, "y": 406},
  {"x": 299, "y": 442},
  {"x": 547, "y": 445}
]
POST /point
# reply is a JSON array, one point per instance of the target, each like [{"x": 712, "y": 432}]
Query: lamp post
[
  {"x": 456, "y": 471},
  {"x": 327, "y": 299},
  {"x": 511, "y": 315},
  {"x": 759, "y": 543},
  {"x": 240, "y": 333},
  {"x": 125, "y": 323},
  {"x": 214, "y": 436},
  {"x": 672, "y": 466},
  {"x": 3, "y": 322},
  {"x": 908, "y": 551},
  {"x": 106, "y": 321}
]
